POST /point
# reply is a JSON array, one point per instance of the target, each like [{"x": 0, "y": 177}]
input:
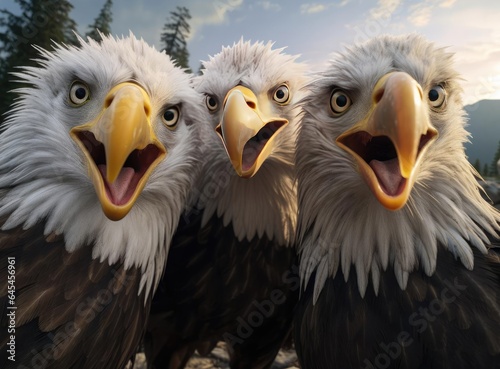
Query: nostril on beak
[
  {"x": 108, "y": 101},
  {"x": 251, "y": 104},
  {"x": 378, "y": 95}
]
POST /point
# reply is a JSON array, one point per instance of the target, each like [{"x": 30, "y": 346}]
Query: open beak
[
  {"x": 121, "y": 148},
  {"x": 389, "y": 143},
  {"x": 247, "y": 133}
]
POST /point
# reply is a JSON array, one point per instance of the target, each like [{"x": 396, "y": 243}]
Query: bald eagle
[
  {"x": 230, "y": 274},
  {"x": 396, "y": 253},
  {"x": 96, "y": 161}
]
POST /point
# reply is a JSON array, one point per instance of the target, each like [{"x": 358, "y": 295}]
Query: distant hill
[{"x": 484, "y": 125}]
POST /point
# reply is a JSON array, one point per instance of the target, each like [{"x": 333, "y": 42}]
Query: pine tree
[
  {"x": 486, "y": 171},
  {"x": 176, "y": 32},
  {"x": 102, "y": 22},
  {"x": 40, "y": 23},
  {"x": 494, "y": 164}
]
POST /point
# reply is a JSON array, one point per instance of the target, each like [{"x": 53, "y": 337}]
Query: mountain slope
[{"x": 484, "y": 125}]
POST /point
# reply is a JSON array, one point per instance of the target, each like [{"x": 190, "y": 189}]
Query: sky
[{"x": 315, "y": 30}]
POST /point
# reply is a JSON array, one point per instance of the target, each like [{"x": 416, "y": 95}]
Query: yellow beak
[
  {"x": 247, "y": 132},
  {"x": 121, "y": 148},
  {"x": 389, "y": 143}
]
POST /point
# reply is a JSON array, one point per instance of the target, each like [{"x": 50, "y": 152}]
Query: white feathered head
[
  {"x": 251, "y": 92},
  {"x": 383, "y": 176},
  {"x": 102, "y": 146}
]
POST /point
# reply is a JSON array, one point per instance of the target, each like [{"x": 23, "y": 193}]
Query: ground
[{"x": 218, "y": 359}]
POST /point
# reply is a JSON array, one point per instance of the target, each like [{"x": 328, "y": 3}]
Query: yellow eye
[
  {"x": 281, "y": 94},
  {"x": 170, "y": 117},
  {"x": 212, "y": 103},
  {"x": 340, "y": 102},
  {"x": 79, "y": 93},
  {"x": 437, "y": 96}
]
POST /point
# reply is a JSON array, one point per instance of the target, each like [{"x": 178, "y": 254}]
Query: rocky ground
[{"x": 218, "y": 359}]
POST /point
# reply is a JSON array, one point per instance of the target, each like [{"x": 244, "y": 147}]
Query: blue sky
[{"x": 314, "y": 30}]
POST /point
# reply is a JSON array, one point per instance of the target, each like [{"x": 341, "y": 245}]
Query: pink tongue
[
  {"x": 388, "y": 175},
  {"x": 118, "y": 189},
  {"x": 251, "y": 151}
]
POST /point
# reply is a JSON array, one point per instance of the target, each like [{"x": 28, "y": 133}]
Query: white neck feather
[
  {"x": 262, "y": 205},
  {"x": 37, "y": 186},
  {"x": 342, "y": 224}
]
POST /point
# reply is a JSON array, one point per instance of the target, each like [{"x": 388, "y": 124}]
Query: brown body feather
[
  {"x": 217, "y": 288},
  {"x": 448, "y": 320},
  {"x": 67, "y": 305}
]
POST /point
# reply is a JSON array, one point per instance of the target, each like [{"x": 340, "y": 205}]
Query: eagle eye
[
  {"x": 170, "y": 117},
  {"x": 79, "y": 93},
  {"x": 340, "y": 102},
  {"x": 282, "y": 94},
  {"x": 212, "y": 103},
  {"x": 437, "y": 96}
]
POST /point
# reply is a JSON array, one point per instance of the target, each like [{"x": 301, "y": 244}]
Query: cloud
[
  {"x": 384, "y": 8},
  {"x": 382, "y": 18},
  {"x": 267, "y": 5},
  {"x": 447, "y": 3},
  {"x": 472, "y": 33},
  {"x": 311, "y": 8},
  {"x": 206, "y": 13},
  {"x": 420, "y": 14},
  {"x": 484, "y": 82}
]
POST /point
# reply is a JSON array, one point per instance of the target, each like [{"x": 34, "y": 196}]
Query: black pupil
[
  {"x": 341, "y": 101},
  {"x": 211, "y": 102},
  {"x": 169, "y": 115},
  {"x": 80, "y": 93},
  {"x": 433, "y": 95},
  {"x": 280, "y": 94}
]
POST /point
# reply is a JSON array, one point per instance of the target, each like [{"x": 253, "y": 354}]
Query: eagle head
[
  {"x": 251, "y": 95},
  {"x": 103, "y": 145},
  {"x": 251, "y": 92},
  {"x": 382, "y": 172}
]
